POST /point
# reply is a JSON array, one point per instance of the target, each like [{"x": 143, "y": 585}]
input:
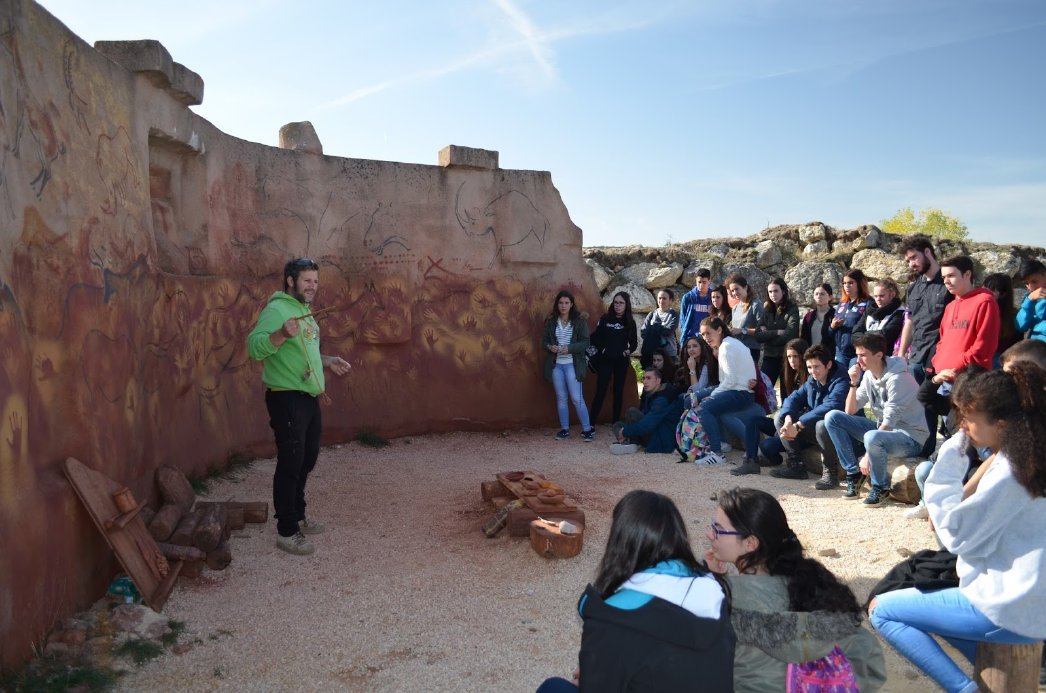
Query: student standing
[
  {"x": 566, "y": 340},
  {"x": 615, "y": 339}
]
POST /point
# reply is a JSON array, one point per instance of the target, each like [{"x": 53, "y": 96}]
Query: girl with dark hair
[
  {"x": 664, "y": 321},
  {"x": 746, "y": 314},
  {"x": 615, "y": 339},
  {"x": 701, "y": 367},
  {"x": 786, "y": 607},
  {"x": 663, "y": 362},
  {"x": 655, "y": 619},
  {"x": 795, "y": 373},
  {"x": 1001, "y": 287},
  {"x": 993, "y": 522},
  {"x": 850, "y": 311},
  {"x": 697, "y": 379},
  {"x": 737, "y": 373},
  {"x": 720, "y": 303},
  {"x": 566, "y": 340},
  {"x": 779, "y": 324},
  {"x": 817, "y": 323}
]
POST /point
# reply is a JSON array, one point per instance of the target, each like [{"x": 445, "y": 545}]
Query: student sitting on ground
[
  {"x": 788, "y": 610},
  {"x": 655, "y": 619},
  {"x": 802, "y": 417},
  {"x": 993, "y": 522},
  {"x": 1031, "y": 318},
  {"x": 653, "y": 425},
  {"x": 884, "y": 384}
]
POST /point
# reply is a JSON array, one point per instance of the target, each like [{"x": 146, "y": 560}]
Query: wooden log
[
  {"x": 235, "y": 515},
  {"x": 192, "y": 569},
  {"x": 519, "y": 520},
  {"x": 1006, "y": 668},
  {"x": 175, "y": 488},
  {"x": 175, "y": 552},
  {"x": 165, "y": 522},
  {"x": 182, "y": 534},
  {"x": 147, "y": 514},
  {"x": 493, "y": 489},
  {"x": 548, "y": 541},
  {"x": 256, "y": 512},
  {"x": 219, "y": 558},
  {"x": 500, "y": 502},
  {"x": 210, "y": 528}
]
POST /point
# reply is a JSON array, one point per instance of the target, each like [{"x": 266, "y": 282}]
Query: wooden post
[{"x": 1008, "y": 668}]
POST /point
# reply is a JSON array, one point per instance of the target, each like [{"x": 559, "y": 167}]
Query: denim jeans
[
  {"x": 845, "y": 428},
  {"x": 565, "y": 382},
  {"x": 921, "y": 472},
  {"x": 717, "y": 405},
  {"x": 907, "y": 618},
  {"x": 557, "y": 685},
  {"x": 753, "y": 427},
  {"x": 735, "y": 423}
]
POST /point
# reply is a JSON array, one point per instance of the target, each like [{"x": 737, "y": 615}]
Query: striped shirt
[{"x": 564, "y": 335}]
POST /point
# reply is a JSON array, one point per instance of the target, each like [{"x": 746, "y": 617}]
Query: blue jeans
[
  {"x": 735, "y": 423},
  {"x": 565, "y": 382},
  {"x": 717, "y": 405},
  {"x": 845, "y": 428},
  {"x": 907, "y": 619},
  {"x": 557, "y": 685},
  {"x": 753, "y": 427},
  {"x": 921, "y": 472}
]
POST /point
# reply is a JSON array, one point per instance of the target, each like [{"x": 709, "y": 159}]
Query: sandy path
[{"x": 406, "y": 594}]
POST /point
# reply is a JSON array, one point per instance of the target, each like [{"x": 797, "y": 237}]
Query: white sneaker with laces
[
  {"x": 296, "y": 544},
  {"x": 311, "y": 527},
  {"x": 919, "y": 512},
  {"x": 709, "y": 458}
]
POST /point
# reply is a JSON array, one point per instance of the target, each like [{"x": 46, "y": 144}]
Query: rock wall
[{"x": 137, "y": 245}]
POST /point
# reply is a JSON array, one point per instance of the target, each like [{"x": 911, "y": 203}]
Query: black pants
[
  {"x": 295, "y": 419},
  {"x": 772, "y": 367},
  {"x": 619, "y": 369}
]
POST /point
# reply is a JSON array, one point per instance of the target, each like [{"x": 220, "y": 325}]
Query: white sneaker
[
  {"x": 919, "y": 512},
  {"x": 296, "y": 544},
  {"x": 725, "y": 448},
  {"x": 307, "y": 526},
  {"x": 709, "y": 458}
]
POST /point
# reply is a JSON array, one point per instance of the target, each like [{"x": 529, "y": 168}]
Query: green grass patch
[
  {"x": 139, "y": 651},
  {"x": 371, "y": 439},
  {"x": 171, "y": 637},
  {"x": 52, "y": 675},
  {"x": 235, "y": 463}
]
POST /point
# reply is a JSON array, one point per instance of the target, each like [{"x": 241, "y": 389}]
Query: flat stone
[
  {"x": 828, "y": 553},
  {"x": 300, "y": 137},
  {"x": 816, "y": 248},
  {"x": 664, "y": 276},
  {"x": 468, "y": 157}
]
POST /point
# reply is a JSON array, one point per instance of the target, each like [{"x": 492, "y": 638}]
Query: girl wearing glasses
[
  {"x": 993, "y": 522},
  {"x": 785, "y": 607},
  {"x": 655, "y": 619}
]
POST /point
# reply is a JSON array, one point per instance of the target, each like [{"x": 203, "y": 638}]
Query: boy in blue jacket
[{"x": 654, "y": 423}]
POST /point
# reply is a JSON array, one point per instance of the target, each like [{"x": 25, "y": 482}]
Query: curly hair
[
  {"x": 811, "y": 586},
  {"x": 1016, "y": 396}
]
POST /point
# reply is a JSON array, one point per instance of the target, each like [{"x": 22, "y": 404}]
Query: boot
[
  {"x": 795, "y": 469},
  {"x": 749, "y": 466},
  {"x": 829, "y": 477}
]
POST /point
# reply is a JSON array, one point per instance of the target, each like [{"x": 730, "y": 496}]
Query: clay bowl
[{"x": 514, "y": 476}]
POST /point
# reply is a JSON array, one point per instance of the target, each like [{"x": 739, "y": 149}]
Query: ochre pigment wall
[{"x": 137, "y": 245}]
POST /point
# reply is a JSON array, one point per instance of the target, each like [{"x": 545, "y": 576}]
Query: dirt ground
[{"x": 405, "y": 593}]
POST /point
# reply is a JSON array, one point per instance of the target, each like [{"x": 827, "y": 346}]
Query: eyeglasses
[{"x": 718, "y": 531}]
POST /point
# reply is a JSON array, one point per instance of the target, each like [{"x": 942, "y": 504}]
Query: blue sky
[{"x": 658, "y": 119}]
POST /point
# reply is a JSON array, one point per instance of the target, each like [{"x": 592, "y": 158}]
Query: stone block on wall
[
  {"x": 468, "y": 157},
  {"x": 146, "y": 56},
  {"x": 300, "y": 137}
]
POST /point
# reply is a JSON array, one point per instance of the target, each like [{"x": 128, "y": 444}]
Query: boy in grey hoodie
[{"x": 884, "y": 384}]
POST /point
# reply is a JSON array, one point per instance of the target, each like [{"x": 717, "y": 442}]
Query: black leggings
[{"x": 619, "y": 369}]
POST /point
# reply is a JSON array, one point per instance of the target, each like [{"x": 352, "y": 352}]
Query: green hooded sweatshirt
[{"x": 296, "y": 364}]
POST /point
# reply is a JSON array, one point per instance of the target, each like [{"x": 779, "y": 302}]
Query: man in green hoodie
[{"x": 286, "y": 340}]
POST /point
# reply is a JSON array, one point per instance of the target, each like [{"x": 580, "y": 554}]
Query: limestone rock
[
  {"x": 665, "y": 276},
  {"x": 637, "y": 273},
  {"x": 599, "y": 274},
  {"x": 642, "y": 300},
  {"x": 816, "y": 248},
  {"x": 757, "y": 278},
  {"x": 301, "y": 137},
  {"x": 902, "y": 481},
  {"x": 690, "y": 273},
  {"x": 992, "y": 261},
  {"x": 877, "y": 264},
  {"x": 720, "y": 249},
  {"x": 870, "y": 236},
  {"x": 767, "y": 254},
  {"x": 806, "y": 276},
  {"x": 811, "y": 233}
]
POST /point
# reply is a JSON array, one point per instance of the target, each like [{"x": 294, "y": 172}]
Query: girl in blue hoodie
[{"x": 656, "y": 619}]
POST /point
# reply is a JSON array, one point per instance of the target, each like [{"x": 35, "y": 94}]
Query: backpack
[{"x": 832, "y": 673}]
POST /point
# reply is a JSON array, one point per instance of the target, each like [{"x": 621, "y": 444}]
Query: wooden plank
[
  {"x": 529, "y": 495},
  {"x": 120, "y": 521},
  {"x": 133, "y": 545},
  {"x": 1002, "y": 668}
]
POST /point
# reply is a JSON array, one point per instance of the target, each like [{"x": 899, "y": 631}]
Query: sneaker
[
  {"x": 589, "y": 435},
  {"x": 877, "y": 495},
  {"x": 789, "y": 472},
  {"x": 563, "y": 434},
  {"x": 829, "y": 479},
  {"x": 623, "y": 448},
  {"x": 919, "y": 512},
  {"x": 296, "y": 544},
  {"x": 310, "y": 527},
  {"x": 747, "y": 467},
  {"x": 725, "y": 448},
  {"x": 853, "y": 485},
  {"x": 709, "y": 458}
]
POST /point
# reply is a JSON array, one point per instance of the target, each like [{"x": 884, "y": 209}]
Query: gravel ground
[{"x": 405, "y": 593}]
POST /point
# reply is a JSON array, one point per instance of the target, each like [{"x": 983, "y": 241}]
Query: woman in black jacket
[
  {"x": 615, "y": 339},
  {"x": 887, "y": 318},
  {"x": 778, "y": 326}
]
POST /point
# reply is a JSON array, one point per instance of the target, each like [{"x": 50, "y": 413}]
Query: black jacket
[
  {"x": 613, "y": 336},
  {"x": 826, "y": 328},
  {"x": 888, "y": 321},
  {"x": 658, "y": 647}
]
